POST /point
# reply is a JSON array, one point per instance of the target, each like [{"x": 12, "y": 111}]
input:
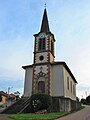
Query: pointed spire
[{"x": 45, "y": 24}]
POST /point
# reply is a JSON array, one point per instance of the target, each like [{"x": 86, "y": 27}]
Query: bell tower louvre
[{"x": 45, "y": 75}]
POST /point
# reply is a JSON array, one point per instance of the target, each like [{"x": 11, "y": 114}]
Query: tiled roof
[{"x": 7, "y": 95}]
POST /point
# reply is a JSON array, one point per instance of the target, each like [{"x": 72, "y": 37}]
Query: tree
[
  {"x": 40, "y": 102},
  {"x": 17, "y": 93},
  {"x": 83, "y": 101},
  {"x": 88, "y": 99}
]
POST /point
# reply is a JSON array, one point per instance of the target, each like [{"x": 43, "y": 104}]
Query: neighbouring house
[
  {"x": 46, "y": 75},
  {"x": 7, "y": 99}
]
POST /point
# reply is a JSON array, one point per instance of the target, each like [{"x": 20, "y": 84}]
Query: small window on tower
[{"x": 41, "y": 44}]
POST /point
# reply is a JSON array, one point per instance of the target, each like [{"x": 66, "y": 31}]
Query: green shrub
[
  {"x": 40, "y": 102},
  {"x": 88, "y": 99},
  {"x": 1, "y": 106}
]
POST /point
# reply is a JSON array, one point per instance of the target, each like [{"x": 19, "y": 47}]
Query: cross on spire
[{"x": 45, "y": 4}]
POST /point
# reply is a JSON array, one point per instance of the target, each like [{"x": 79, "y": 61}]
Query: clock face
[{"x": 42, "y": 35}]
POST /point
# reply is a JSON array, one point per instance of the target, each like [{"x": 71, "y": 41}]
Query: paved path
[
  {"x": 83, "y": 114},
  {"x": 4, "y": 117}
]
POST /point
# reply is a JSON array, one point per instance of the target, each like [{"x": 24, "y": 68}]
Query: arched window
[
  {"x": 68, "y": 83},
  {"x": 41, "y": 44},
  {"x": 41, "y": 86},
  {"x": 71, "y": 85}
]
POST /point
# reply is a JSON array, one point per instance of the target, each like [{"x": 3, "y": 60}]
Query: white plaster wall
[
  {"x": 57, "y": 81},
  {"x": 45, "y": 54},
  {"x": 28, "y": 82},
  {"x": 67, "y": 91},
  {"x": 44, "y": 69}
]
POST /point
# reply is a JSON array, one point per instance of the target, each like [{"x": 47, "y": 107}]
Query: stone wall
[{"x": 64, "y": 104}]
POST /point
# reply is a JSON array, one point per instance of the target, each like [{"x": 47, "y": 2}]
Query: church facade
[{"x": 47, "y": 76}]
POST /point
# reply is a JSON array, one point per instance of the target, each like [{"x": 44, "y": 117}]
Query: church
[{"x": 47, "y": 76}]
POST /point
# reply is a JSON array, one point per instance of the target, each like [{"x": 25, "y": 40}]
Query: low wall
[{"x": 64, "y": 104}]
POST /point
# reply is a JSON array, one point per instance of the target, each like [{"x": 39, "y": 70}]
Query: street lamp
[{"x": 9, "y": 89}]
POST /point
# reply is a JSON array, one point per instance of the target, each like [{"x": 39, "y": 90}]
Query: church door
[{"x": 41, "y": 86}]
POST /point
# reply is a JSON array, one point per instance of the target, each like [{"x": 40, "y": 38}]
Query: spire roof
[{"x": 45, "y": 24}]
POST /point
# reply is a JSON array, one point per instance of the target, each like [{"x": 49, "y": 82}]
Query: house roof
[
  {"x": 7, "y": 95},
  {"x": 54, "y": 63}
]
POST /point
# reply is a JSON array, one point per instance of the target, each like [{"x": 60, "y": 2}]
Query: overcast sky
[{"x": 69, "y": 21}]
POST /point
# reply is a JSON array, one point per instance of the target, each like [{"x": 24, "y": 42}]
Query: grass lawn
[{"x": 47, "y": 116}]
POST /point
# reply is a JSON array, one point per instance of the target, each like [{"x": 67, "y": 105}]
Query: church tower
[{"x": 43, "y": 56}]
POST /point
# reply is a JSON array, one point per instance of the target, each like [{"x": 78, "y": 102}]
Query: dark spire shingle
[{"x": 45, "y": 24}]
